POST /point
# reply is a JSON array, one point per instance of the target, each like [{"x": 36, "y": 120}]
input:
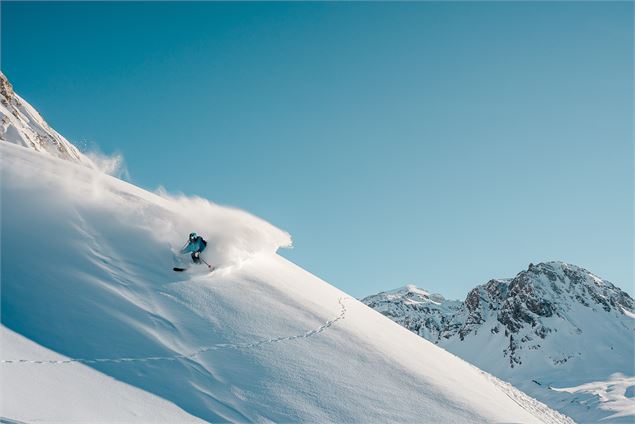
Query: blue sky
[{"x": 440, "y": 144}]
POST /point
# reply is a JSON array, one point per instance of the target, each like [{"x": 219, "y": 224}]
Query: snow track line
[
  {"x": 539, "y": 410},
  {"x": 218, "y": 346}
]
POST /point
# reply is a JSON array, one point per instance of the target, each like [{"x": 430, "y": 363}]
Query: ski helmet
[{"x": 192, "y": 236}]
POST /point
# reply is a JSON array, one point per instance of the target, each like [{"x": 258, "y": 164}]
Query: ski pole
[{"x": 205, "y": 262}]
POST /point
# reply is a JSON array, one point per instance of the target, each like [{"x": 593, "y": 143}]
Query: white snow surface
[
  {"x": 73, "y": 392},
  {"x": 92, "y": 308},
  {"x": 614, "y": 395}
]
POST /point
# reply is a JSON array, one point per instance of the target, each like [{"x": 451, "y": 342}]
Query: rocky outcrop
[{"x": 21, "y": 124}]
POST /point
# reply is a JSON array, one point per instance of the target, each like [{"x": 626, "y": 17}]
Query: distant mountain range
[{"x": 556, "y": 331}]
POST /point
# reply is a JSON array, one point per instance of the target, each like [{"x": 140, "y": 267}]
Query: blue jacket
[{"x": 198, "y": 245}]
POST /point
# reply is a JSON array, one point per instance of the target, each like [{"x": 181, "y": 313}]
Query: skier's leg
[{"x": 195, "y": 258}]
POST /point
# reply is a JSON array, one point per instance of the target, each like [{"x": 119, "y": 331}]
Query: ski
[{"x": 177, "y": 269}]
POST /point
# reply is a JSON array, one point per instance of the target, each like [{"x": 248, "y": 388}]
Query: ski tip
[{"x": 178, "y": 269}]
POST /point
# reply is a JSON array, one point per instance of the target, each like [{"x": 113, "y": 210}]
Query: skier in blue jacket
[{"x": 195, "y": 245}]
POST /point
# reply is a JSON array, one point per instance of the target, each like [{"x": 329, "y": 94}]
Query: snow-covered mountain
[
  {"x": 97, "y": 327},
  {"x": 556, "y": 331},
  {"x": 23, "y": 125}
]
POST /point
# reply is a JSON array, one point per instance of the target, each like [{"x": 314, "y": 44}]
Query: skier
[{"x": 196, "y": 245}]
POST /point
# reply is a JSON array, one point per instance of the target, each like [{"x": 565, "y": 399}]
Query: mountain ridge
[
  {"x": 21, "y": 124},
  {"x": 549, "y": 323}
]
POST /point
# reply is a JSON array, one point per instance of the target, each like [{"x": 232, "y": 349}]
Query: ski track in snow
[
  {"x": 218, "y": 346},
  {"x": 529, "y": 404}
]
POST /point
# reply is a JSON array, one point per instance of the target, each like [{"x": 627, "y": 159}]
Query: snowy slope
[
  {"x": 21, "y": 124},
  {"x": 556, "y": 331},
  {"x": 87, "y": 273},
  {"x": 91, "y": 308},
  {"x": 73, "y": 392}
]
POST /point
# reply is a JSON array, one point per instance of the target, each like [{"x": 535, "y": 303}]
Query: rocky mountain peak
[
  {"x": 21, "y": 124},
  {"x": 530, "y": 307},
  {"x": 6, "y": 89},
  {"x": 551, "y": 324},
  {"x": 559, "y": 284}
]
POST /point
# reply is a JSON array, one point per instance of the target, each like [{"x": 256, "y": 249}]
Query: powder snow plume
[
  {"x": 236, "y": 235},
  {"x": 233, "y": 235}
]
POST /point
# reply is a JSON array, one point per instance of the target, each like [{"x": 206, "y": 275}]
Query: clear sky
[{"x": 440, "y": 144}]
